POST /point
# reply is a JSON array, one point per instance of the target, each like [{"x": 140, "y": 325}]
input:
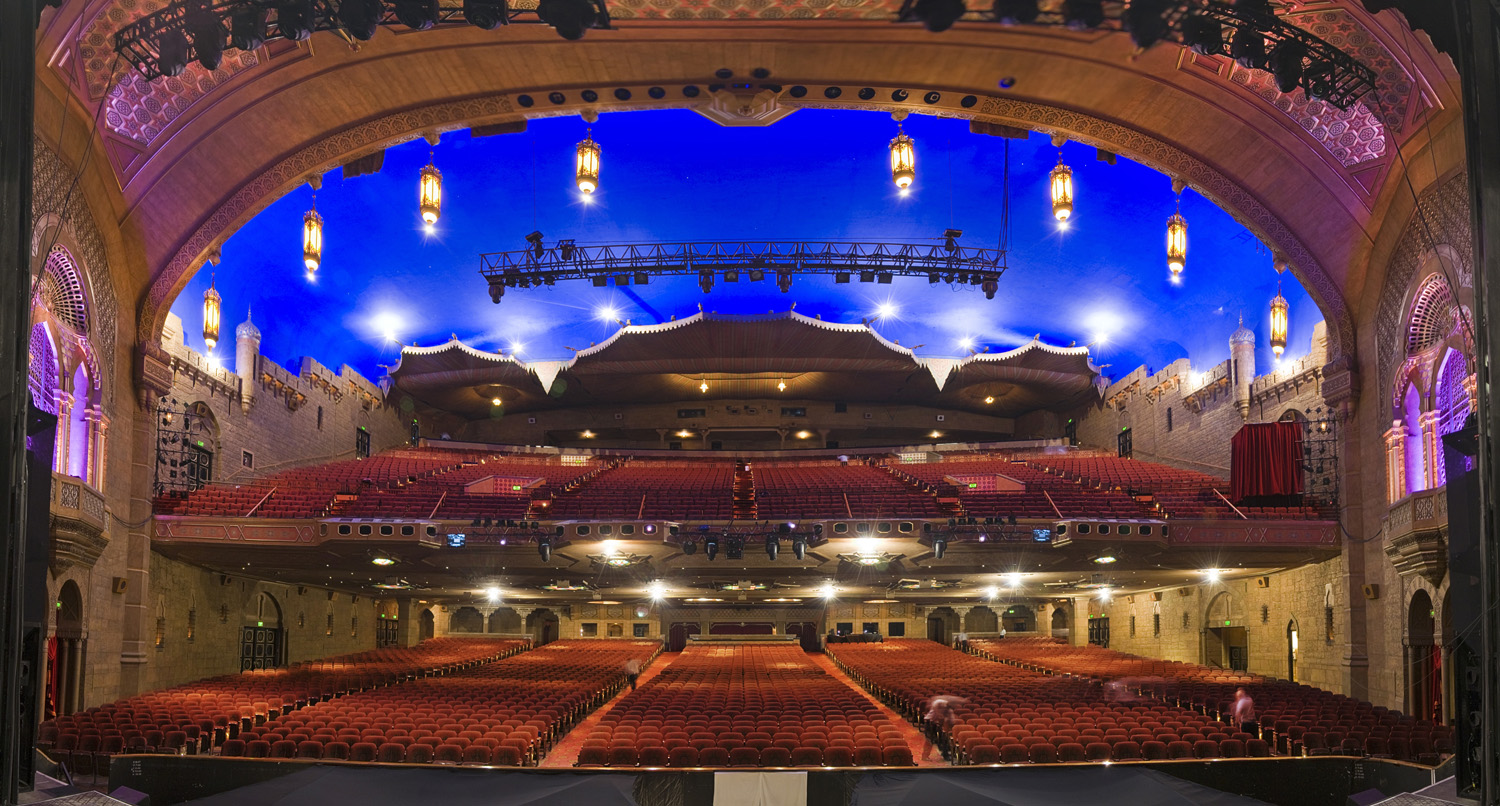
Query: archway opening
[
  {"x": 1423, "y": 659},
  {"x": 1226, "y": 645},
  {"x": 542, "y": 623},
  {"x": 466, "y": 619},
  {"x": 428, "y": 626},
  {"x": 1292, "y": 645},
  {"x": 262, "y": 639},
  {"x": 981, "y": 619},
  {"x": 65, "y": 653},
  {"x": 942, "y": 624}
]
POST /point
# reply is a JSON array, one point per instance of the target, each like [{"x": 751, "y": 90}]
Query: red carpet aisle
[
  {"x": 566, "y": 751},
  {"x": 914, "y": 737}
]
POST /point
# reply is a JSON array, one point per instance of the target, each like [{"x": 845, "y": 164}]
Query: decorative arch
[
  {"x": 1423, "y": 658},
  {"x": 62, "y": 291},
  {"x": 981, "y": 619},
  {"x": 466, "y": 619},
  {"x": 1451, "y": 401},
  {"x": 1432, "y": 315},
  {"x": 359, "y": 140}
]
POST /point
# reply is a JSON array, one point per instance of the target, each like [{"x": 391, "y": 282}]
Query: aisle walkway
[
  {"x": 914, "y": 737},
  {"x": 565, "y": 752}
]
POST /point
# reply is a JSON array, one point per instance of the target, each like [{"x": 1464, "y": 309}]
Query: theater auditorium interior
[{"x": 749, "y": 401}]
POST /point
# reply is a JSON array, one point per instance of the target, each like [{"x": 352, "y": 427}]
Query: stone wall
[
  {"x": 294, "y": 419},
  {"x": 216, "y": 606}
]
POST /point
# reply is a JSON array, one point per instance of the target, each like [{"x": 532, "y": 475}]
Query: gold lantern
[
  {"x": 1176, "y": 245},
  {"x": 312, "y": 238},
  {"x": 431, "y": 191},
  {"x": 588, "y": 164},
  {"x": 1278, "y": 323},
  {"x": 1062, "y": 191},
  {"x": 903, "y": 159},
  {"x": 211, "y": 301}
]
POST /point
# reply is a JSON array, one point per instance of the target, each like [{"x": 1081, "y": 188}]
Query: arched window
[
  {"x": 61, "y": 291},
  {"x": 1416, "y": 455},
  {"x": 1451, "y": 403},
  {"x": 1432, "y": 315},
  {"x": 78, "y": 425}
]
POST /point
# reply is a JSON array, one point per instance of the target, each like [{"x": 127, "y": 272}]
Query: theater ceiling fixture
[
  {"x": 1062, "y": 191},
  {"x": 430, "y": 192},
  {"x": 312, "y": 238},
  {"x": 394, "y": 584},
  {"x": 160, "y": 43},
  {"x": 903, "y": 160},
  {"x": 211, "y": 306},
  {"x": 1298, "y": 58},
  {"x": 1177, "y": 242},
  {"x": 742, "y": 585},
  {"x": 566, "y": 585},
  {"x": 587, "y": 173},
  {"x": 1279, "y": 319}
]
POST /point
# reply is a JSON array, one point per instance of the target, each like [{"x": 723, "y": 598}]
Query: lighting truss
[
  {"x": 629, "y": 264},
  {"x": 139, "y": 43},
  {"x": 1330, "y": 74}
]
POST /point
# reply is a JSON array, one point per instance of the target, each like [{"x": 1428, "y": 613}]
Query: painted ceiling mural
[{"x": 140, "y": 110}]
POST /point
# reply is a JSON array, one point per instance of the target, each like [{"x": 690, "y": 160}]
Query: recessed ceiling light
[
  {"x": 382, "y": 561},
  {"x": 1105, "y": 559}
]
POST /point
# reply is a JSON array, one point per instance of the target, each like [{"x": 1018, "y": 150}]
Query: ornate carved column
[
  {"x": 98, "y": 425},
  {"x": 963, "y": 616},
  {"x": 1395, "y": 462},
  {"x": 489, "y": 614},
  {"x": 1431, "y": 449},
  {"x": 60, "y": 449}
]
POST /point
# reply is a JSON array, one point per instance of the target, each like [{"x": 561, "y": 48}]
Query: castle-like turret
[
  {"x": 246, "y": 357},
  {"x": 1242, "y": 366}
]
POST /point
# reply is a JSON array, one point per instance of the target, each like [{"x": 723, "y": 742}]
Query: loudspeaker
[
  {"x": 41, "y": 430},
  {"x": 1466, "y": 603},
  {"x": 1156, "y": 596},
  {"x": 1262, "y": 582},
  {"x": 1185, "y": 592},
  {"x": 1372, "y": 591},
  {"x": 119, "y": 585}
]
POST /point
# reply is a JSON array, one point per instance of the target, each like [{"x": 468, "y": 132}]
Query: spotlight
[
  {"x": 485, "y": 14},
  {"x": 773, "y": 546},
  {"x": 208, "y": 42},
  {"x": 1248, "y": 48},
  {"x": 1011, "y": 12},
  {"x": 171, "y": 53},
  {"x": 1286, "y": 64},
  {"x": 294, "y": 18},
  {"x": 840, "y": 277},
  {"x": 1319, "y": 75},
  {"x": 989, "y": 591},
  {"x": 706, "y": 280},
  {"x": 535, "y": 239},
  {"x": 1212, "y": 574},
  {"x": 950, "y": 239},
  {"x": 939, "y": 547},
  {"x": 544, "y": 548},
  {"x": 1082, "y": 15},
  {"x": 690, "y": 547},
  {"x": 361, "y": 18},
  {"x": 418, "y": 15},
  {"x": 1203, "y": 35},
  {"x": 656, "y": 589},
  {"x": 711, "y": 547},
  {"x": 783, "y": 281},
  {"x": 1146, "y": 20},
  {"x": 818, "y": 530},
  {"x": 492, "y": 595},
  {"x": 756, "y": 275},
  {"x": 247, "y": 28},
  {"x": 799, "y": 547},
  {"x": 570, "y": 18},
  {"x": 938, "y": 15}
]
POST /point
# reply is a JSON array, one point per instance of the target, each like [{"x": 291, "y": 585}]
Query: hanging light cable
[
  {"x": 1279, "y": 316},
  {"x": 903, "y": 159},
  {"x": 211, "y": 306},
  {"x": 1177, "y": 242},
  {"x": 1062, "y": 191},
  {"x": 430, "y": 192},
  {"x": 312, "y": 237}
]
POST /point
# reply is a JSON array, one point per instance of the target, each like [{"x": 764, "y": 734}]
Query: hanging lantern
[
  {"x": 431, "y": 192},
  {"x": 903, "y": 160},
  {"x": 588, "y": 165},
  {"x": 312, "y": 238},
  {"x": 1176, "y": 245},
  {"x": 1278, "y": 323},
  {"x": 211, "y": 301},
  {"x": 1062, "y": 191}
]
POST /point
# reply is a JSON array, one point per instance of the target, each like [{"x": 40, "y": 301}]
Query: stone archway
[
  {"x": 942, "y": 624},
  {"x": 262, "y": 638},
  {"x": 466, "y": 619},
  {"x": 981, "y": 619},
  {"x": 543, "y": 624},
  {"x": 66, "y": 653},
  {"x": 1226, "y": 640},
  {"x": 1423, "y": 659},
  {"x": 427, "y": 628}
]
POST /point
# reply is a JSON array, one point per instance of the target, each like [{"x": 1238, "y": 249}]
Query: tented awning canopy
[{"x": 746, "y": 357}]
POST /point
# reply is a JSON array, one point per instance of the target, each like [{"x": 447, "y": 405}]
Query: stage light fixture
[
  {"x": 840, "y": 277},
  {"x": 294, "y": 18},
  {"x": 783, "y": 281},
  {"x": 485, "y": 14},
  {"x": 172, "y": 53},
  {"x": 247, "y": 27},
  {"x": 418, "y": 15},
  {"x": 1146, "y": 20},
  {"x": 1012, "y": 12},
  {"x": 756, "y": 275},
  {"x": 656, "y": 589},
  {"x": 1062, "y": 191},
  {"x": 773, "y": 546},
  {"x": 1248, "y": 48},
  {"x": 535, "y": 239},
  {"x": 734, "y": 548},
  {"x": 544, "y": 548},
  {"x": 731, "y": 275},
  {"x": 430, "y": 192},
  {"x": 211, "y": 303},
  {"x": 1081, "y": 15},
  {"x": 938, "y": 15},
  {"x": 1203, "y": 35},
  {"x": 1286, "y": 64},
  {"x": 1278, "y": 322},
  {"x": 361, "y": 18},
  {"x": 903, "y": 166},
  {"x": 711, "y": 546},
  {"x": 208, "y": 41},
  {"x": 781, "y": 386},
  {"x": 312, "y": 238},
  {"x": 570, "y": 18},
  {"x": 939, "y": 547},
  {"x": 799, "y": 547},
  {"x": 496, "y": 401},
  {"x": 587, "y": 175},
  {"x": 1177, "y": 242},
  {"x": 1212, "y": 574},
  {"x": 492, "y": 595},
  {"x": 706, "y": 280},
  {"x": 689, "y": 547}
]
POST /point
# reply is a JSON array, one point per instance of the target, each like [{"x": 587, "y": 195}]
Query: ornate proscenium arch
[{"x": 358, "y": 140}]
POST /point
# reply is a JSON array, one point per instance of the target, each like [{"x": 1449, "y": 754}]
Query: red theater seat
[
  {"x": 336, "y": 750},
  {"x": 682, "y": 757},
  {"x": 1073, "y": 752},
  {"x": 713, "y": 757},
  {"x": 1179, "y": 749},
  {"x": 232, "y": 748},
  {"x": 364, "y": 751},
  {"x": 390, "y": 753},
  {"x": 772, "y": 757},
  {"x": 804, "y": 757},
  {"x": 1043, "y": 753},
  {"x": 653, "y": 757},
  {"x": 309, "y": 749},
  {"x": 419, "y": 754}
]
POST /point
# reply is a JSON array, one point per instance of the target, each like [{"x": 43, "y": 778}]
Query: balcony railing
[
  {"x": 78, "y": 523},
  {"x": 1416, "y": 534}
]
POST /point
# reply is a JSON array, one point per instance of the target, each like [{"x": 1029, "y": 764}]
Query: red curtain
[{"x": 1267, "y": 460}]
